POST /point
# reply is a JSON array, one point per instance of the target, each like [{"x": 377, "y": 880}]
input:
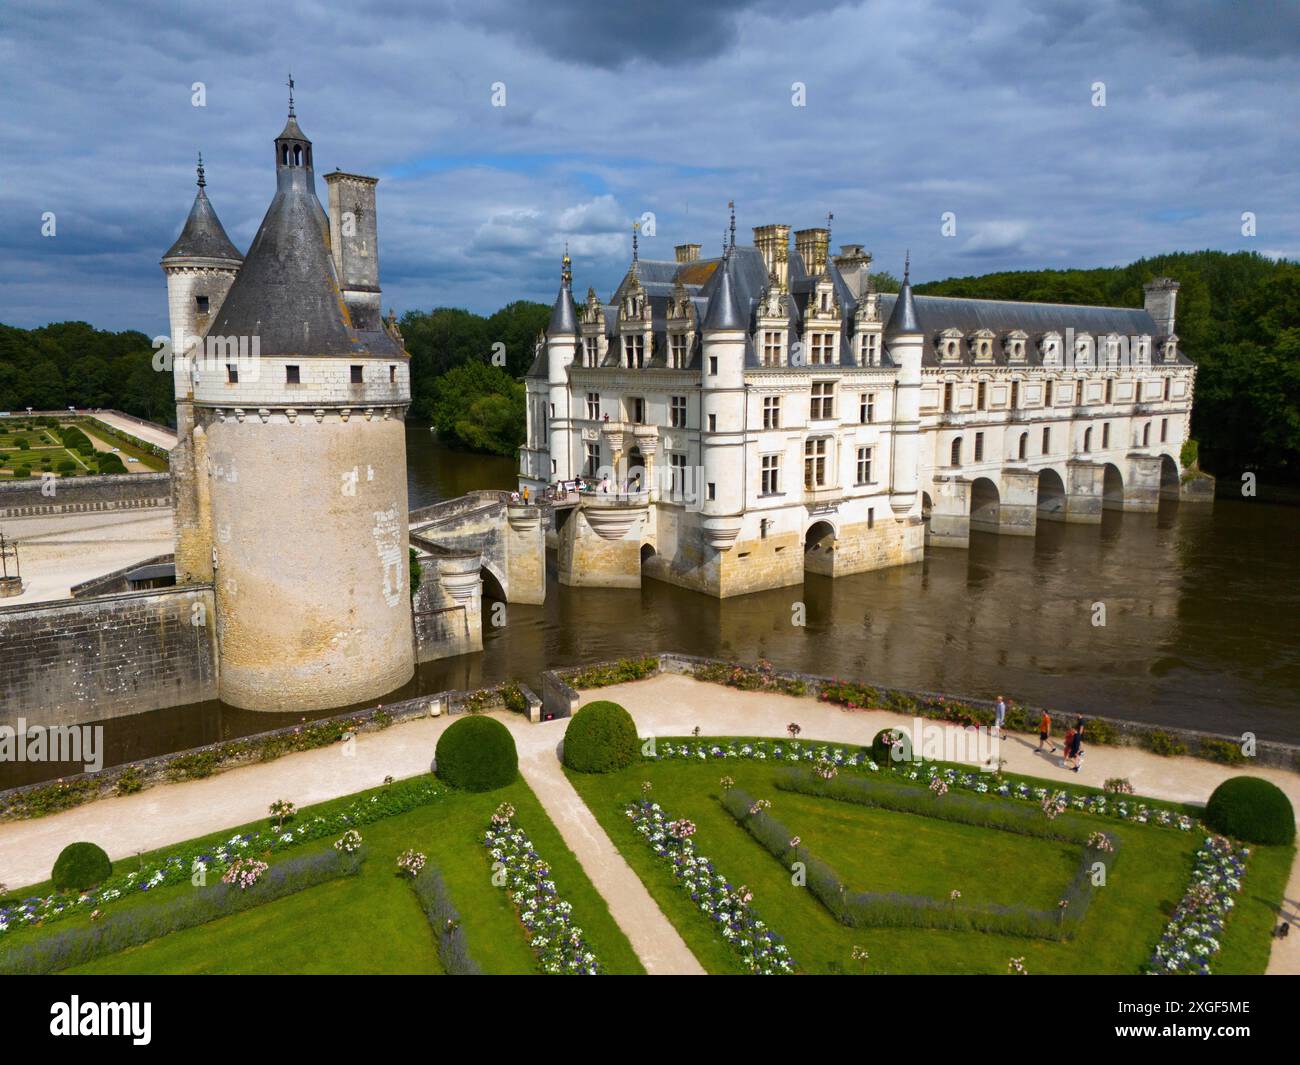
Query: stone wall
[
  {"x": 75, "y": 495},
  {"x": 71, "y": 662}
]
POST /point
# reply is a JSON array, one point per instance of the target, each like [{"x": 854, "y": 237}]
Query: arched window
[
  {"x": 956, "y": 452},
  {"x": 1024, "y": 446},
  {"x": 297, "y": 155},
  {"x": 1146, "y": 434},
  {"x": 1087, "y": 439},
  {"x": 284, "y": 155}
]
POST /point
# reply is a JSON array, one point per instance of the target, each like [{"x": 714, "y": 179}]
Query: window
[
  {"x": 636, "y": 410},
  {"x": 554, "y": 466},
  {"x": 1079, "y": 397},
  {"x": 771, "y": 475},
  {"x": 356, "y": 375},
  {"x": 823, "y": 400},
  {"x": 592, "y": 345},
  {"x": 870, "y": 349},
  {"x": 1105, "y": 436},
  {"x": 871, "y": 517},
  {"x": 1015, "y": 395},
  {"x": 771, "y": 412},
  {"x": 1164, "y": 430},
  {"x": 955, "y": 456},
  {"x": 864, "y": 465},
  {"x": 677, "y": 463},
  {"x": 552, "y": 410},
  {"x": 982, "y": 400},
  {"x": 1146, "y": 434},
  {"x": 1023, "y": 450},
  {"x": 232, "y": 374},
  {"x": 947, "y": 395},
  {"x": 1110, "y": 389},
  {"x": 1168, "y": 382},
  {"x": 713, "y": 423},
  {"x": 392, "y": 375},
  {"x": 679, "y": 350},
  {"x": 677, "y": 412},
  {"x": 592, "y": 460},
  {"x": 634, "y": 346},
  {"x": 979, "y": 447},
  {"x": 867, "y": 408},
  {"x": 773, "y": 347},
  {"x": 593, "y": 406},
  {"x": 713, "y": 365},
  {"x": 711, "y": 491},
  {"x": 822, "y": 348},
  {"x": 1087, "y": 439},
  {"x": 1047, "y": 394},
  {"x": 201, "y": 304},
  {"x": 814, "y": 463},
  {"x": 291, "y": 376},
  {"x": 1047, "y": 441}
]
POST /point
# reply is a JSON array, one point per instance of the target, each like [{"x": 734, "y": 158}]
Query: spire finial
[
  {"x": 566, "y": 273},
  {"x": 830, "y": 217},
  {"x": 202, "y": 181},
  {"x": 907, "y": 266},
  {"x": 291, "y": 113},
  {"x": 636, "y": 229},
  {"x": 731, "y": 206}
]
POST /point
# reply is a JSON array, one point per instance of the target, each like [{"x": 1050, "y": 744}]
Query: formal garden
[
  {"x": 767, "y": 856},
  {"x": 45, "y": 445}
]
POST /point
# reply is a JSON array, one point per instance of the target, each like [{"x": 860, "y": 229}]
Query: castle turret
[
  {"x": 299, "y": 440},
  {"x": 724, "y": 333},
  {"x": 200, "y": 267},
  {"x": 904, "y": 341},
  {"x": 561, "y": 346}
]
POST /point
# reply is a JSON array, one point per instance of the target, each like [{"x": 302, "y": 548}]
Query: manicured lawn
[
  {"x": 372, "y": 923},
  {"x": 889, "y": 851},
  {"x": 147, "y": 460},
  {"x": 1248, "y": 935}
]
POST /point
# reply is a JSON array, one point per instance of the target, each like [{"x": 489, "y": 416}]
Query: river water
[{"x": 1200, "y": 608}]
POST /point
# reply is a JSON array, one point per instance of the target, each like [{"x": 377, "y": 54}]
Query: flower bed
[
  {"x": 559, "y": 944},
  {"x": 444, "y": 919},
  {"x": 728, "y": 907},
  {"x": 620, "y": 672},
  {"x": 846, "y": 756},
  {"x": 1192, "y": 937},
  {"x": 216, "y": 859},
  {"x": 757, "y": 678}
]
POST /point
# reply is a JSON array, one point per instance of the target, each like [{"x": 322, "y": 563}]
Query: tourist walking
[
  {"x": 1076, "y": 750},
  {"x": 1000, "y": 717},
  {"x": 1045, "y": 732},
  {"x": 525, "y": 495},
  {"x": 1067, "y": 746}
]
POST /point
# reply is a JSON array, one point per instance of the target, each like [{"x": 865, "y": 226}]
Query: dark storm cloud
[{"x": 915, "y": 109}]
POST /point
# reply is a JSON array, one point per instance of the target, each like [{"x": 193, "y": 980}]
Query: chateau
[
  {"x": 289, "y": 478},
  {"x": 772, "y": 414}
]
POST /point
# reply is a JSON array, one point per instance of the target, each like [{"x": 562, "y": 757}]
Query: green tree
[{"x": 480, "y": 407}]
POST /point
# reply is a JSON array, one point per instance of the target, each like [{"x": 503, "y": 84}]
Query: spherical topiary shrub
[
  {"x": 477, "y": 754},
  {"x": 600, "y": 738},
  {"x": 1251, "y": 809},
  {"x": 80, "y": 866},
  {"x": 882, "y": 746}
]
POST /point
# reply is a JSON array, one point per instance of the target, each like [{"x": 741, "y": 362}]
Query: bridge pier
[
  {"x": 950, "y": 513},
  {"x": 600, "y": 544},
  {"x": 525, "y": 545},
  {"x": 447, "y": 608},
  {"x": 1084, "y": 492},
  {"x": 1018, "y": 510},
  {"x": 1142, "y": 486}
]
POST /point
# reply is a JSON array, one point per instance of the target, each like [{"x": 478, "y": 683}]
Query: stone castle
[
  {"x": 289, "y": 479},
  {"x": 768, "y": 413}
]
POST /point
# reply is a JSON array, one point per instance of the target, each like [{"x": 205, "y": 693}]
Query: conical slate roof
[
  {"x": 903, "y": 318},
  {"x": 287, "y": 292},
  {"x": 203, "y": 237},
  {"x": 563, "y": 320},
  {"x": 724, "y": 311}
]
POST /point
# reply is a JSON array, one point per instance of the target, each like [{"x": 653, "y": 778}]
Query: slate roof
[
  {"x": 287, "y": 292},
  {"x": 724, "y": 310},
  {"x": 203, "y": 236}
]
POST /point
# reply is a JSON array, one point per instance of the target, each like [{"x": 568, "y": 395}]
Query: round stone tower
[{"x": 299, "y": 397}]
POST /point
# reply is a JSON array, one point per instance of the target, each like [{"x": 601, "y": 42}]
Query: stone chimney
[
  {"x": 773, "y": 242},
  {"x": 1161, "y": 295},
  {"x": 854, "y": 265},
  {"x": 813, "y": 246},
  {"x": 354, "y": 243},
  {"x": 687, "y": 253}
]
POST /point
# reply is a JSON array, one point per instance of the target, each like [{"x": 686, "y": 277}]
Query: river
[{"x": 1200, "y": 628}]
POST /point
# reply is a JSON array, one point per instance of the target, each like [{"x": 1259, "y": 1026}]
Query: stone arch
[
  {"x": 1170, "y": 480},
  {"x": 647, "y": 553},
  {"x": 927, "y": 506},
  {"x": 819, "y": 548},
  {"x": 1051, "y": 494},
  {"x": 494, "y": 584},
  {"x": 985, "y": 505},
  {"x": 1112, "y": 488}
]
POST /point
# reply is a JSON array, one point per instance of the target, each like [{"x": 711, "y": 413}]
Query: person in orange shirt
[{"x": 1045, "y": 732}]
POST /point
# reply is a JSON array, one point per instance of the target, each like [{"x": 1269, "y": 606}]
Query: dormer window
[
  {"x": 1083, "y": 350},
  {"x": 1051, "y": 346},
  {"x": 1143, "y": 348},
  {"x": 1013, "y": 345},
  {"x": 634, "y": 351},
  {"x": 773, "y": 347},
  {"x": 1171, "y": 349},
  {"x": 869, "y": 349},
  {"x": 201, "y": 304},
  {"x": 981, "y": 345},
  {"x": 677, "y": 348},
  {"x": 950, "y": 345},
  {"x": 1112, "y": 350},
  {"x": 821, "y": 348}
]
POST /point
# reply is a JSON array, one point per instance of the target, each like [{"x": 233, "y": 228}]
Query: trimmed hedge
[
  {"x": 600, "y": 738},
  {"x": 872, "y": 909},
  {"x": 1251, "y": 809},
  {"x": 444, "y": 919},
  {"x": 80, "y": 866},
  {"x": 881, "y": 750},
  {"x": 63, "y": 949},
  {"x": 477, "y": 754}
]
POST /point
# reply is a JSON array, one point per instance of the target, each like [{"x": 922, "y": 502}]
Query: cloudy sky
[{"x": 911, "y": 108}]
